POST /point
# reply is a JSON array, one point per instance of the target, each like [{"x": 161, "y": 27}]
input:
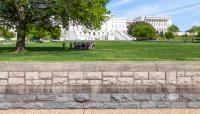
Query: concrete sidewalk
[{"x": 117, "y": 111}]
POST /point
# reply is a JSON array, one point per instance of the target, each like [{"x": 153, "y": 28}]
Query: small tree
[
  {"x": 36, "y": 32},
  {"x": 173, "y": 28},
  {"x": 198, "y": 35},
  {"x": 55, "y": 32},
  {"x": 142, "y": 30},
  {"x": 6, "y": 34},
  {"x": 169, "y": 35}
]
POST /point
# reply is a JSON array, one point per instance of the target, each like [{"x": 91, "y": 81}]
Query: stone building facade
[
  {"x": 113, "y": 29},
  {"x": 160, "y": 24}
]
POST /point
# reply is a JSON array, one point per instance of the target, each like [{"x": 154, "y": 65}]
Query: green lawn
[{"x": 105, "y": 51}]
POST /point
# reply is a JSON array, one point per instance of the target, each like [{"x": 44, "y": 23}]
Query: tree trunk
[{"x": 21, "y": 35}]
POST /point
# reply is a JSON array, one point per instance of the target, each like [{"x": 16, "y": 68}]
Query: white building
[
  {"x": 186, "y": 33},
  {"x": 113, "y": 29},
  {"x": 160, "y": 24}
]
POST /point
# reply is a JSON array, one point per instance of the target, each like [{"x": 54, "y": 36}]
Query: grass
[{"x": 106, "y": 51}]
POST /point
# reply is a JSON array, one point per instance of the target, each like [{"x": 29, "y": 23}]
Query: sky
[{"x": 184, "y": 13}]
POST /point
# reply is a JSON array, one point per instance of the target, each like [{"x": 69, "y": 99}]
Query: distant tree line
[{"x": 145, "y": 31}]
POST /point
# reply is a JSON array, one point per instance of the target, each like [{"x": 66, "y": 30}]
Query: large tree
[
  {"x": 173, "y": 28},
  {"x": 20, "y": 13},
  {"x": 142, "y": 30}
]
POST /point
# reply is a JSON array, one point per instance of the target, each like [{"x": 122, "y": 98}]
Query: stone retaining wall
[{"x": 106, "y": 85}]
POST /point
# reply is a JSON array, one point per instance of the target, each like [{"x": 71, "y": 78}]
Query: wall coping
[{"x": 132, "y": 66}]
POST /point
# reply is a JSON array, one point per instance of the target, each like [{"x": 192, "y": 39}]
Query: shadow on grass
[
  {"x": 41, "y": 49},
  {"x": 7, "y": 49}
]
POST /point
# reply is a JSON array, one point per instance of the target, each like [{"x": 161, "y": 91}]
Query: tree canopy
[
  {"x": 169, "y": 35},
  {"x": 194, "y": 29},
  {"x": 19, "y": 14},
  {"x": 173, "y": 28},
  {"x": 142, "y": 30}
]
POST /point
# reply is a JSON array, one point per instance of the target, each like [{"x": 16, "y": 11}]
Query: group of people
[{"x": 81, "y": 45}]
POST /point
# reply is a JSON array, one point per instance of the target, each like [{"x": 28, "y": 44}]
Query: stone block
[
  {"x": 127, "y": 74},
  {"x": 157, "y": 75},
  {"x": 158, "y": 97},
  {"x": 190, "y": 97},
  {"x": 192, "y": 74},
  {"x": 125, "y": 81},
  {"x": 32, "y": 75},
  {"x": 64, "y": 98},
  {"x": 5, "y": 106},
  {"x": 111, "y": 74},
  {"x": 141, "y": 75},
  {"x": 96, "y": 105},
  {"x": 82, "y": 82},
  {"x": 163, "y": 104},
  {"x": 60, "y": 81},
  {"x": 180, "y": 74},
  {"x": 2, "y": 98},
  {"x": 121, "y": 98},
  {"x": 109, "y": 81},
  {"x": 48, "y": 82},
  {"x": 142, "y": 97},
  {"x": 29, "y": 82},
  {"x": 73, "y": 105},
  {"x": 95, "y": 82},
  {"x": 3, "y": 82},
  {"x": 137, "y": 82},
  {"x": 27, "y": 98},
  {"x": 34, "y": 105},
  {"x": 16, "y": 81},
  {"x": 148, "y": 82},
  {"x": 171, "y": 78},
  {"x": 102, "y": 97},
  {"x": 3, "y": 75},
  {"x": 178, "y": 104},
  {"x": 13, "y": 98},
  {"x": 160, "y": 82},
  {"x": 193, "y": 105},
  {"x": 60, "y": 74},
  {"x": 92, "y": 75},
  {"x": 81, "y": 98},
  {"x": 173, "y": 97},
  {"x": 52, "y": 105},
  {"x": 16, "y": 75},
  {"x": 75, "y": 75},
  {"x": 196, "y": 80},
  {"x": 130, "y": 105},
  {"x": 46, "y": 97},
  {"x": 184, "y": 81},
  {"x": 111, "y": 106},
  {"x": 148, "y": 104},
  {"x": 38, "y": 82},
  {"x": 45, "y": 75},
  {"x": 72, "y": 82}
]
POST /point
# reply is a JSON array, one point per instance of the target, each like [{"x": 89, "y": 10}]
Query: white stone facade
[
  {"x": 186, "y": 33},
  {"x": 112, "y": 29},
  {"x": 160, "y": 24}
]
